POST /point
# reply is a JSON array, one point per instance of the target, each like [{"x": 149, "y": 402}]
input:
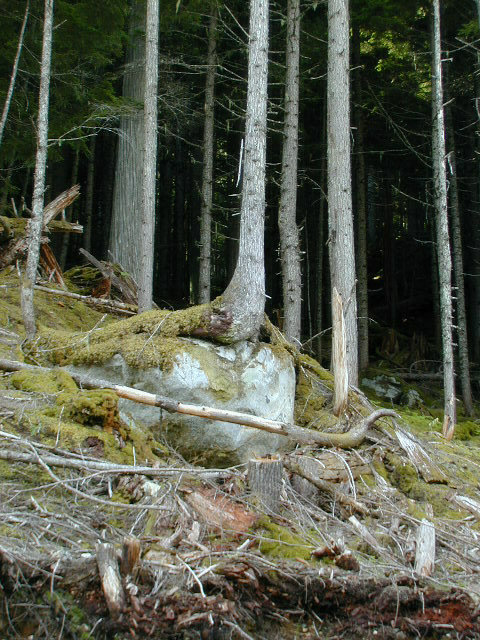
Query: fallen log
[{"x": 300, "y": 435}]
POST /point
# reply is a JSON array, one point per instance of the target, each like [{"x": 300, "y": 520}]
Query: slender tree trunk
[
  {"x": 36, "y": 223},
  {"x": 361, "y": 210},
  {"x": 342, "y": 257},
  {"x": 443, "y": 245},
  {"x": 13, "y": 77},
  {"x": 124, "y": 243},
  {"x": 87, "y": 233},
  {"x": 145, "y": 276},
  {"x": 457, "y": 255},
  {"x": 320, "y": 276},
  {"x": 66, "y": 236},
  {"x": 287, "y": 216},
  {"x": 204, "y": 285},
  {"x": 244, "y": 298}
]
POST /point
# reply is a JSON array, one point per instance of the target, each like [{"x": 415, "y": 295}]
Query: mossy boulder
[{"x": 258, "y": 379}]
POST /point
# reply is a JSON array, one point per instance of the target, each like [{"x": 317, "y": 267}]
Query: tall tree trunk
[
  {"x": 289, "y": 236},
  {"x": 66, "y": 236},
  {"x": 204, "y": 285},
  {"x": 457, "y": 255},
  {"x": 149, "y": 174},
  {"x": 321, "y": 278},
  {"x": 342, "y": 256},
  {"x": 36, "y": 223},
  {"x": 179, "y": 250},
  {"x": 87, "y": 234},
  {"x": 443, "y": 244},
  {"x": 127, "y": 196},
  {"x": 13, "y": 77},
  {"x": 361, "y": 209},
  {"x": 244, "y": 298}
]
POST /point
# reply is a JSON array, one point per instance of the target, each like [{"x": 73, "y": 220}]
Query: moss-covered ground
[{"x": 259, "y": 567}]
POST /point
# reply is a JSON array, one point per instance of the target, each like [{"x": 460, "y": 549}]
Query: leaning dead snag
[{"x": 300, "y": 435}]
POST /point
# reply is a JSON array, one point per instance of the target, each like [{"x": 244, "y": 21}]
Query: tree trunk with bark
[
  {"x": 361, "y": 209},
  {"x": 243, "y": 301},
  {"x": 127, "y": 194},
  {"x": 13, "y": 77},
  {"x": 342, "y": 257},
  {"x": 145, "y": 274},
  {"x": 87, "y": 235},
  {"x": 457, "y": 255},
  {"x": 289, "y": 236},
  {"x": 36, "y": 223},
  {"x": 207, "y": 175},
  {"x": 442, "y": 234}
]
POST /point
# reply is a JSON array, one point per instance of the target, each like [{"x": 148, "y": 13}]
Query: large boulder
[{"x": 258, "y": 379}]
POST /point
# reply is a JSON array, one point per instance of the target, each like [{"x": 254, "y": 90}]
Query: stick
[
  {"x": 349, "y": 440},
  {"x": 117, "y": 306}
]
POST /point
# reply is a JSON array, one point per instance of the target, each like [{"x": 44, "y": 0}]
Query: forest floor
[{"x": 106, "y": 532}]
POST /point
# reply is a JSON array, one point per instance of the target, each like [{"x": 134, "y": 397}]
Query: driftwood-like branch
[
  {"x": 349, "y": 440},
  {"x": 120, "y": 307}
]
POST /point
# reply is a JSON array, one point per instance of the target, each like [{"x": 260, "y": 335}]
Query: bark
[
  {"x": 13, "y": 77},
  {"x": 425, "y": 549},
  {"x": 145, "y": 273},
  {"x": 320, "y": 278},
  {"x": 265, "y": 477},
  {"x": 66, "y": 237},
  {"x": 289, "y": 236},
  {"x": 361, "y": 210},
  {"x": 342, "y": 258},
  {"x": 204, "y": 290},
  {"x": 36, "y": 223},
  {"x": 244, "y": 297},
  {"x": 442, "y": 234},
  {"x": 127, "y": 194},
  {"x": 87, "y": 236},
  {"x": 457, "y": 255},
  {"x": 339, "y": 355},
  {"x": 110, "y": 578}
]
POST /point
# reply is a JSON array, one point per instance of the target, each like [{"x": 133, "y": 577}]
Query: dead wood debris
[{"x": 198, "y": 559}]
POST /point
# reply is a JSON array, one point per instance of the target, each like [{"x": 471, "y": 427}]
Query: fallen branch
[
  {"x": 112, "y": 304},
  {"x": 349, "y": 440},
  {"x": 326, "y": 487}
]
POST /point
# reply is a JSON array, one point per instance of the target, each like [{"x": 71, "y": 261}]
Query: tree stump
[
  {"x": 110, "y": 578},
  {"x": 265, "y": 480},
  {"x": 425, "y": 555}
]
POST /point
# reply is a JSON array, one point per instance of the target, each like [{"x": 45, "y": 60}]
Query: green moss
[
  {"x": 43, "y": 382},
  {"x": 281, "y": 542},
  {"x": 466, "y": 430},
  {"x": 98, "y": 407}
]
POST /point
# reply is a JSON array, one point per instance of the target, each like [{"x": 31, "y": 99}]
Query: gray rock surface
[{"x": 251, "y": 378}]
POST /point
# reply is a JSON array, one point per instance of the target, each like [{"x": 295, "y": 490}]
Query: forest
[{"x": 263, "y": 216}]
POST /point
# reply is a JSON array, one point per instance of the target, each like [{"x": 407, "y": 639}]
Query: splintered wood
[
  {"x": 110, "y": 578},
  {"x": 425, "y": 554},
  {"x": 265, "y": 480}
]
